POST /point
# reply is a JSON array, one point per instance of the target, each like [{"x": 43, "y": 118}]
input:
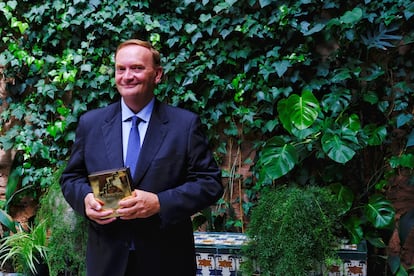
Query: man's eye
[
  {"x": 120, "y": 69},
  {"x": 137, "y": 68}
]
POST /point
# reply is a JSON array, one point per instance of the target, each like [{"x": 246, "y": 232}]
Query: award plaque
[{"x": 110, "y": 186}]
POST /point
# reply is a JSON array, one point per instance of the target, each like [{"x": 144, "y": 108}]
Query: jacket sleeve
[
  {"x": 74, "y": 182},
  {"x": 201, "y": 185}
]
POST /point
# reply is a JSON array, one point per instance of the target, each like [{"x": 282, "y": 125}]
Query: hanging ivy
[{"x": 318, "y": 89}]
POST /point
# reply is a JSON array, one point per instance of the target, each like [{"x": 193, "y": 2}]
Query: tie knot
[{"x": 135, "y": 121}]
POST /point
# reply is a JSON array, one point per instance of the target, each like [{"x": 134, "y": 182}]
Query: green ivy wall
[{"x": 298, "y": 92}]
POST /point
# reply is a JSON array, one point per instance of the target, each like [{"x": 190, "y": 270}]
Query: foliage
[
  {"x": 67, "y": 232},
  {"x": 321, "y": 89},
  {"x": 292, "y": 229},
  {"x": 27, "y": 249}
]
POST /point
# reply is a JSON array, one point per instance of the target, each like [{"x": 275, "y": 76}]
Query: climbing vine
[{"x": 308, "y": 92}]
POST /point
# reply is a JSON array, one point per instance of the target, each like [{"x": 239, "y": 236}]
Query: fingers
[
  {"x": 94, "y": 210},
  {"x": 141, "y": 205}
]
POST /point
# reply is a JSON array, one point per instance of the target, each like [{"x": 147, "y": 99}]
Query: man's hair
[{"x": 155, "y": 54}]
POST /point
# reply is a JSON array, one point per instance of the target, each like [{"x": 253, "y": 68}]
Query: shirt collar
[{"x": 144, "y": 114}]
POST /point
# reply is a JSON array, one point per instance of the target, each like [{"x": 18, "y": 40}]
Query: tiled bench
[{"x": 218, "y": 253}]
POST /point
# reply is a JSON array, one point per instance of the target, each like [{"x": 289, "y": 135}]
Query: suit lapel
[
  {"x": 112, "y": 136},
  {"x": 157, "y": 129}
]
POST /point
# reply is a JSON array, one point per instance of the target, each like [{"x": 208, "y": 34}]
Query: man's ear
[{"x": 159, "y": 73}]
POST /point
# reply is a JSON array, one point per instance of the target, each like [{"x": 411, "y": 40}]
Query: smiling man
[{"x": 175, "y": 176}]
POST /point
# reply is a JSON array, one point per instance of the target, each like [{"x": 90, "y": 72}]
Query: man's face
[{"x": 135, "y": 73}]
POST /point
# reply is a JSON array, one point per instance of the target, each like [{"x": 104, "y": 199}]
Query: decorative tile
[{"x": 218, "y": 254}]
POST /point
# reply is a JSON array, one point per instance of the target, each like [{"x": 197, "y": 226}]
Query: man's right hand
[{"x": 95, "y": 212}]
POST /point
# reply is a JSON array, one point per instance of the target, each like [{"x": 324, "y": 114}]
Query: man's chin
[{"x": 126, "y": 92}]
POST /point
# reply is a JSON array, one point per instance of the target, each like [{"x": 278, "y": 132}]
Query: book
[{"x": 110, "y": 186}]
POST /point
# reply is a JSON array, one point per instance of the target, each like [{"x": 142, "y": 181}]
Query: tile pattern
[
  {"x": 218, "y": 254},
  {"x": 349, "y": 267}
]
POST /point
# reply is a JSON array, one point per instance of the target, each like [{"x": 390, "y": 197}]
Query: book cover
[{"x": 110, "y": 186}]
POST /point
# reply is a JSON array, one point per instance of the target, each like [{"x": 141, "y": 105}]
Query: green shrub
[
  {"x": 68, "y": 235},
  {"x": 291, "y": 230}
]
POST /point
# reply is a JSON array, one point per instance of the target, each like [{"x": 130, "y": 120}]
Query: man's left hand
[{"x": 141, "y": 204}]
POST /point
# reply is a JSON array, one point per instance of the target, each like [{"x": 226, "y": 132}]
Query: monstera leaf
[
  {"x": 298, "y": 111},
  {"x": 379, "y": 211},
  {"x": 277, "y": 159},
  {"x": 337, "y": 148}
]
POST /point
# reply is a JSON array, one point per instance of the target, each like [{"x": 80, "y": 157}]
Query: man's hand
[
  {"x": 94, "y": 211},
  {"x": 141, "y": 204}
]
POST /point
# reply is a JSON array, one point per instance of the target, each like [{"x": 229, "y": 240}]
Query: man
[{"x": 175, "y": 177}]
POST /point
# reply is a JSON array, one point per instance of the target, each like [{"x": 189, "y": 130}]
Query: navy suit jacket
[{"x": 175, "y": 163}]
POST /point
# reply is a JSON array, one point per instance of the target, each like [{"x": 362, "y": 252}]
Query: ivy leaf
[
  {"x": 352, "y": 17},
  {"x": 177, "y": 24},
  {"x": 205, "y": 17},
  {"x": 224, "y": 5},
  {"x": 264, "y": 3},
  {"x": 281, "y": 67},
  {"x": 189, "y": 28},
  {"x": 316, "y": 28},
  {"x": 404, "y": 160},
  {"x": 86, "y": 67},
  {"x": 379, "y": 211},
  {"x": 52, "y": 130},
  {"x": 403, "y": 119},
  {"x": 337, "y": 149}
]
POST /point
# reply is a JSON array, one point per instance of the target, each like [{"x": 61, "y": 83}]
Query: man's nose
[{"x": 128, "y": 73}]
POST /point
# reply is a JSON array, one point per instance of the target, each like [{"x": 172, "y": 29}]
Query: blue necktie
[{"x": 134, "y": 146}]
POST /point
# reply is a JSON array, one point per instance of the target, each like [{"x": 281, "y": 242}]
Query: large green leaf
[
  {"x": 7, "y": 221},
  {"x": 277, "y": 159},
  {"x": 284, "y": 114},
  {"x": 377, "y": 135},
  {"x": 354, "y": 227},
  {"x": 299, "y": 111},
  {"x": 336, "y": 101},
  {"x": 12, "y": 182},
  {"x": 353, "y": 123},
  {"x": 305, "y": 109},
  {"x": 379, "y": 211},
  {"x": 336, "y": 148}
]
